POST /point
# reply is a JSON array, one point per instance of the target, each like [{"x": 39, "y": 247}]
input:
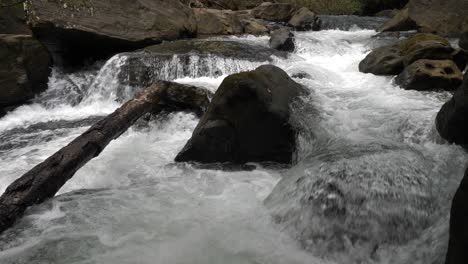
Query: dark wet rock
[
  {"x": 248, "y": 120},
  {"x": 457, "y": 253},
  {"x": 460, "y": 57},
  {"x": 391, "y": 59},
  {"x": 349, "y": 22},
  {"x": 194, "y": 58},
  {"x": 24, "y": 69},
  {"x": 229, "y": 4},
  {"x": 217, "y": 22},
  {"x": 182, "y": 97},
  {"x": 278, "y": 12},
  {"x": 463, "y": 43},
  {"x": 387, "y": 60},
  {"x": 304, "y": 20},
  {"x": 443, "y": 17},
  {"x": 13, "y": 20},
  {"x": 452, "y": 119},
  {"x": 220, "y": 48},
  {"x": 424, "y": 75},
  {"x": 390, "y": 13},
  {"x": 282, "y": 39},
  {"x": 94, "y": 29}
]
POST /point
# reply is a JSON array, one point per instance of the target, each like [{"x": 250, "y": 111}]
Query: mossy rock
[{"x": 407, "y": 44}]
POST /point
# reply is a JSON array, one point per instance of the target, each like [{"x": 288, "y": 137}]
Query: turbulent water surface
[{"x": 373, "y": 183}]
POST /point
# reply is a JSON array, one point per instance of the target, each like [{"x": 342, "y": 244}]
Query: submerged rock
[
  {"x": 304, "y": 19},
  {"x": 425, "y": 75},
  {"x": 24, "y": 69},
  {"x": 78, "y": 30},
  {"x": 282, "y": 39},
  {"x": 247, "y": 120},
  {"x": 444, "y": 17},
  {"x": 278, "y": 12},
  {"x": 452, "y": 119},
  {"x": 457, "y": 253}
]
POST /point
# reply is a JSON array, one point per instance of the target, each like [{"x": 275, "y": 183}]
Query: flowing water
[{"x": 373, "y": 183}]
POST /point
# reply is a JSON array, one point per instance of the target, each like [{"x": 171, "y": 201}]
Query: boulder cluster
[{"x": 422, "y": 62}]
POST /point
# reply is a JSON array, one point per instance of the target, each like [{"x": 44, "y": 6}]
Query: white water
[{"x": 132, "y": 204}]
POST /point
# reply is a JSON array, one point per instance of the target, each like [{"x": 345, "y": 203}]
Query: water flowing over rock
[
  {"x": 425, "y": 75},
  {"x": 349, "y": 22},
  {"x": 77, "y": 30},
  {"x": 24, "y": 69},
  {"x": 194, "y": 58},
  {"x": 247, "y": 121},
  {"x": 282, "y": 39},
  {"x": 444, "y": 17},
  {"x": 452, "y": 119},
  {"x": 457, "y": 253}
]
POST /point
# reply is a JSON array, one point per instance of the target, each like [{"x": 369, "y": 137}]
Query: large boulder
[
  {"x": 392, "y": 59},
  {"x": 452, "y": 119},
  {"x": 304, "y": 19},
  {"x": 13, "y": 20},
  {"x": 444, "y": 17},
  {"x": 248, "y": 120},
  {"x": 282, "y": 39},
  {"x": 78, "y": 30},
  {"x": 24, "y": 69},
  {"x": 217, "y": 22},
  {"x": 277, "y": 12},
  {"x": 425, "y": 75},
  {"x": 458, "y": 241}
]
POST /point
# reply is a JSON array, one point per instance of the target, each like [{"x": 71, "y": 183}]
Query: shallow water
[{"x": 369, "y": 154}]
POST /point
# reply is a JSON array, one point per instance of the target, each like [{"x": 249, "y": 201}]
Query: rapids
[{"x": 367, "y": 147}]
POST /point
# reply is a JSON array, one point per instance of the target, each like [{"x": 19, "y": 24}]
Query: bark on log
[{"x": 45, "y": 180}]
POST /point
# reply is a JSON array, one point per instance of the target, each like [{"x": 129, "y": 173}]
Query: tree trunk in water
[{"x": 46, "y": 179}]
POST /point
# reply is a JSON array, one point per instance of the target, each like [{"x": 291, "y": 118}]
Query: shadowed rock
[{"x": 247, "y": 120}]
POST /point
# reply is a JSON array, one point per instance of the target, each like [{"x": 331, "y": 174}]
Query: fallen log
[{"x": 46, "y": 179}]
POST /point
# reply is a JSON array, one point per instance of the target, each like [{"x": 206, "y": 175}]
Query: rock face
[
  {"x": 13, "y": 21},
  {"x": 217, "y": 22},
  {"x": 392, "y": 59},
  {"x": 304, "y": 19},
  {"x": 444, "y": 17},
  {"x": 247, "y": 120},
  {"x": 282, "y": 39},
  {"x": 77, "y": 30},
  {"x": 425, "y": 75},
  {"x": 278, "y": 12},
  {"x": 452, "y": 119},
  {"x": 24, "y": 69},
  {"x": 457, "y": 253},
  {"x": 230, "y": 4}
]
